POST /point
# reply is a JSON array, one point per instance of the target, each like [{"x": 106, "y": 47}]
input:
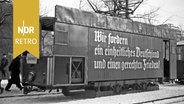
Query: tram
[
  {"x": 100, "y": 54},
  {"x": 180, "y": 61}
]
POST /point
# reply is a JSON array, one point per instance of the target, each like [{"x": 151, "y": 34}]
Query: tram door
[
  {"x": 166, "y": 59},
  {"x": 68, "y": 70},
  {"x": 77, "y": 70}
]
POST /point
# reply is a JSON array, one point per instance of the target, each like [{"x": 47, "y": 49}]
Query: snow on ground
[{"x": 165, "y": 91}]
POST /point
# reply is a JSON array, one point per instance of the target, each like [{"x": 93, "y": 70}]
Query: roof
[
  {"x": 47, "y": 23},
  {"x": 91, "y": 19}
]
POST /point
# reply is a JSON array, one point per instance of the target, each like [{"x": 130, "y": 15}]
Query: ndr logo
[{"x": 25, "y": 29}]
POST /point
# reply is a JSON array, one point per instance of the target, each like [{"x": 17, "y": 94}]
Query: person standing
[
  {"x": 14, "y": 68},
  {"x": 3, "y": 71}
]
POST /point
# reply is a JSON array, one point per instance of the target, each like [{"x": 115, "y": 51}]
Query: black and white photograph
[{"x": 93, "y": 52}]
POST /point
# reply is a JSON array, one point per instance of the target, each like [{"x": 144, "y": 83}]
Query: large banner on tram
[{"x": 114, "y": 55}]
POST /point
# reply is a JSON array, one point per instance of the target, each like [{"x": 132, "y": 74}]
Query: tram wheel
[
  {"x": 25, "y": 90},
  {"x": 65, "y": 91},
  {"x": 117, "y": 88}
]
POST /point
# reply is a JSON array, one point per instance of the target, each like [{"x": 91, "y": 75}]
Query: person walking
[
  {"x": 14, "y": 68},
  {"x": 3, "y": 71}
]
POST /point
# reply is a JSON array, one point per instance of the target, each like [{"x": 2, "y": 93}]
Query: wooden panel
[
  {"x": 61, "y": 70},
  {"x": 77, "y": 40},
  {"x": 39, "y": 69},
  {"x": 173, "y": 70},
  {"x": 180, "y": 67}
]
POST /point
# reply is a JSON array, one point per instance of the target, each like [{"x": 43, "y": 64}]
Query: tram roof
[{"x": 91, "y": 19}]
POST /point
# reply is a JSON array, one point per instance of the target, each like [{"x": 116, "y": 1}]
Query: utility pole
[{"x": 126, "y": 10}]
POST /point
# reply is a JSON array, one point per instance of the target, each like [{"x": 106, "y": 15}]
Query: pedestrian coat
[
  {"x": 14, "y": 68},
  {"x": 4, "y": 73}
]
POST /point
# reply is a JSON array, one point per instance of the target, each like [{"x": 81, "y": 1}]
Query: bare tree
[
  {"x": 44, "y": 8},
  {"x": 126, "y": 9},
  {"x": 120, "y": 8},
  {"x": 7, "y": 12},
  {"x": 82, "y": 3},
  {"x": 148, "y": 17}
]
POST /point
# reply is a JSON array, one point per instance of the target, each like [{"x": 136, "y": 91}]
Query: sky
[{"x": 170, "y": 10}]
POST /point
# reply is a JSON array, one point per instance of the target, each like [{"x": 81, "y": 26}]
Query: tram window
[
  {"x": 77, "y": 70},
  {"x": 179, "y": 53},
  {"x": 61, "y": 37}
]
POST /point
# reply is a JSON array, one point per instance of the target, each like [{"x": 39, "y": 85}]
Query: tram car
[
  {"x": 180, "y": 61},
  {"x": 98, "y": 53}
]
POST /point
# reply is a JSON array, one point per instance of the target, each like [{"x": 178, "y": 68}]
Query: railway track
[{"x": 169, "y": 100}]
